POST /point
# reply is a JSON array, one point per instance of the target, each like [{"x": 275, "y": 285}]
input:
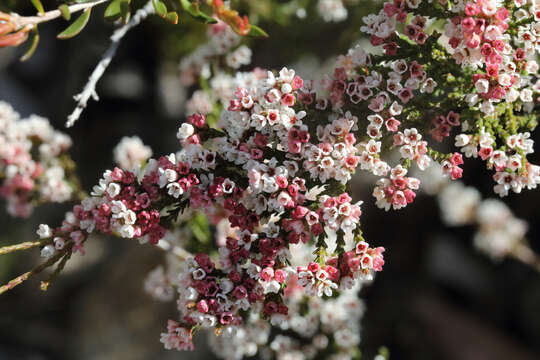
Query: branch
[
  {"x": 178, "y": 251},
  {"x": 22, "y": 278},
  {"x": 525, "y": 254},
  {"x": 23, "y": 246},
  {"x": 89, "y": 89},
  {"x": 31, "y": 21}
]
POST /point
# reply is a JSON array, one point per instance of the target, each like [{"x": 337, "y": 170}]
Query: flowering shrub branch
[
  {"x": 15, "y": 30},
  {"x": 269, "y": 157},
  {"x": 90, "y": 87}
]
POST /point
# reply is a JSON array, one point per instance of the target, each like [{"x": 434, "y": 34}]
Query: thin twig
[
  {"x": 525, "y": 254},
  {"x": 24, "y": 21},
  {"x": 22, "y": 278},
  {"x": 178, "y": 251},
  {"x": 90, "y": 88},
  {"x": 45, "y": 284},
  {"x": 22, "y": 246}
]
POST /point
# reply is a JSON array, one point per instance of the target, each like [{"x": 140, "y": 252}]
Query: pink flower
[
  {"x": 405, "y": 95},
  {"x": 392, "y": 124},
  {"x": 267, "y": 273},
  {"x": 468, "y": 24},
  {"x": 226, "y": 318},
  {"x": 270, "y": 308},
  {"x": 202, "y": 306},
  {"x": 390, "y": 48},
  {"x": 456, "y": 173},
  {"x": 471, "y": 9},
  {"x": 288, "y": 99},
  {"x": 299, "y": 212},
  {"x": 297, "y": 83},
  {"x": 280, "y": 276},
  {"x": 197, "y": 120},
  {"x": 378, "y": 260},
  {"x": 456, "y": 159},
  {"x": 485, "y": 152}
]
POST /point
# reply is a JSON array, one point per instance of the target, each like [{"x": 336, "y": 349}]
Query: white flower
[
  {"x": 471, "y": 99},
  {"x": 129, "y": 217},
  {"x": 487, "y": 108},
  {"x": 526, "y": 95},
  {"x": 286, "y": 88},
  {"x": 226, "y": 286},
  {"x": 185, "y": 131},
  {"x": 286, "y": 75},
  {"x": 59, "y": 243},
  {"x": 166, "y": 176},
  {"x": 482, "y": 86},
  {"x": 127, "y": 231},
  {"x": 462, "y": 140},
  {"x": 504, "y": 80},
  {"x": 113, "y": 189},
  {"x": 44, "y": 231},
  {"x": 175, "y": 190},
  {"x": 272, "y": 287},
  {"x": 406, "y": 151},
  {"x": 198, "y": 274},
  {"x": 118, "y": 207},
  {"x": 47, "y": 251}
]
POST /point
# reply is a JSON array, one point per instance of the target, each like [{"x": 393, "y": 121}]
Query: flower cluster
[
  {"x": 302, "y": 334},
  {"x": 34, "y": 167},
  {"x": 512, "y": 170},
  {"x": 314, "y": 323},
  {"x": 222, "y": 40},
  {"x": 397, "y": 190},
  {"x": 442, "y": 125},
  {"x": 478, "y": 37}
]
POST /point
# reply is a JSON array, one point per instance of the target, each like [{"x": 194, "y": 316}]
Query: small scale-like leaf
[
  {"x": 256, "y": 31},
  {"x": 172, "y": 17},
  {"x": 195, "y": 12},
  {"x": 76, "y": 27},
  {"x": 38, "y": 5},
  {"x": 64, "y": 10},
  {"x": 161, "y": 8},
  {"x": 33, "y": 46}
]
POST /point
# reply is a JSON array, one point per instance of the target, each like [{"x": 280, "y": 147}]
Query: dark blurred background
[{"x": 437, "y": 298}]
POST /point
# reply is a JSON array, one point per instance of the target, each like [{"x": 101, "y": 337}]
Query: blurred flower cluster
[{"x": 34, "y": 168}]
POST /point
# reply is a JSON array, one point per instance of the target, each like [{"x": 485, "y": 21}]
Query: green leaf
[
  {"x": 193, "y": 10},
  {"x": 161, "y": 8},
  {"x": 125, "y": 11},
  {"x": 172, "y": 17},
  {"x": 33, "y": 46},
  {"x": 64, "y": 10},
  {"x": 257, "y": 32},
  {"x": 38, "y": 5},
  {"x": 201, "y": 228},
  {"x": 117, "y": 9},
  {"x": 76, "y": 27},
  {"x": 112, "y": 12}
]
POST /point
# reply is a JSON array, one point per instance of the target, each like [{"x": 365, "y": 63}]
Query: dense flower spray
[{"x": 267, "y": 157}]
